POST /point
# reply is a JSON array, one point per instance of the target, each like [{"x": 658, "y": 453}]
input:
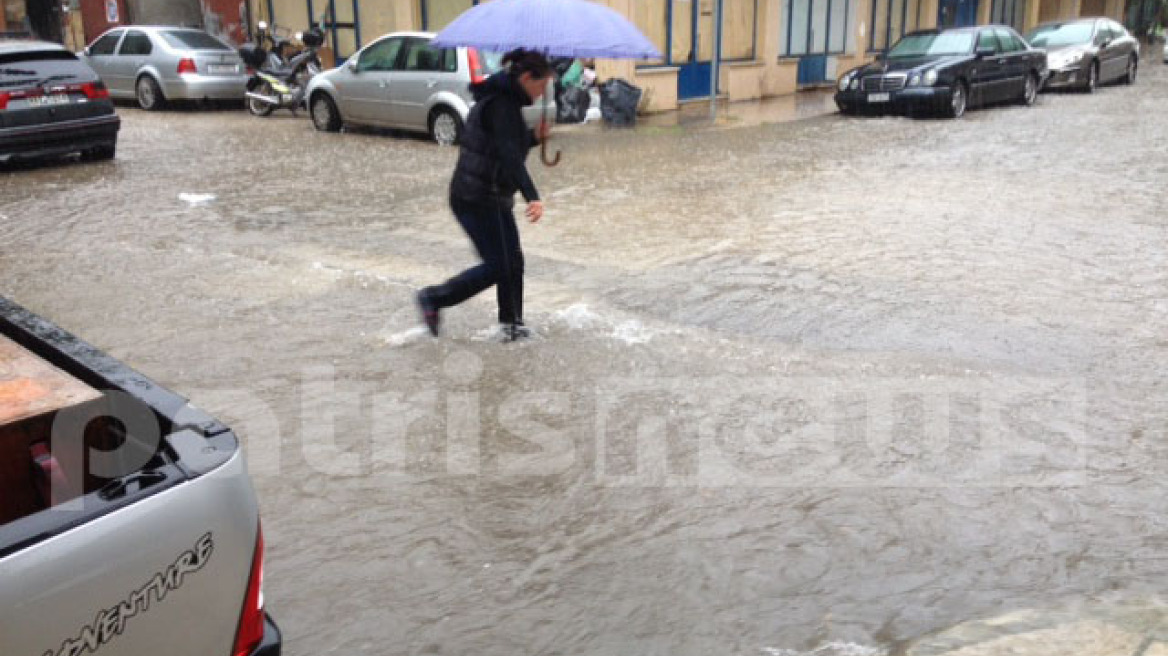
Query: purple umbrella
[{"x": 559, "y": 28}]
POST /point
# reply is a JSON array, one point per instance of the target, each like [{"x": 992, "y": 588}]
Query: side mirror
[
  {"x": 985, "y": 51},
  {"x": 351, "y": 64}
]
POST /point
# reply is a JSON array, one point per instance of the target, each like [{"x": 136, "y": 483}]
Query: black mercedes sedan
[
  {"x": 1087, "y": 52},
  {"x": 52, "y": 103},
  {"x": 944, "y": 72}
]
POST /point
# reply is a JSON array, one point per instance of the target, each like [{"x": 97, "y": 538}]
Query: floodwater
[{"x": 824, "y": 386}]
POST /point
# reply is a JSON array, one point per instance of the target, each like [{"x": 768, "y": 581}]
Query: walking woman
[{"x": 490, "y": 169}]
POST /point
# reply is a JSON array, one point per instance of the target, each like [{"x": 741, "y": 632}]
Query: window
[
  {"x": 817, "y": 27},
  {"x": 1102, "y": 34},
  {"x": 106, "y": 44},
  {"x": 932, "y": 45},
  {"x": 381, "y": 56},
  {"x": 136, "y": 43},
  {"x": 987, "y": 39},
  {"x": 1008, "y": 41},
  {"x": 191, "y": 40},
  {"x": 1064, "y": 34},
  {"x": 422, "y": 57},
  {"x": 892, "y": 19},
  {"x": 1008, "y": 12}
]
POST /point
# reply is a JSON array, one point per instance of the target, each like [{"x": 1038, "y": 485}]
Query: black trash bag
[
  {"x": 572, "y": 105},
  {"x": 618, "y": 102}
]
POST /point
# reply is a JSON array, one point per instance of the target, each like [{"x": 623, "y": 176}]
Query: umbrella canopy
[{"x": 560, "y": 28}]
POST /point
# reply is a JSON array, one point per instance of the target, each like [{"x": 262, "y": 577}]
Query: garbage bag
[
  {"x": 572, "y": 105},
  {"x": 618, "y": 102}
]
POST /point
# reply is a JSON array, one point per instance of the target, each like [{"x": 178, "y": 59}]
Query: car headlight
[
  {"x": 914, "y": 80},
  {"x": 930, "y": 78},
  {"x": 845, "y": 81},
  {"x": 855, "y": 83}
]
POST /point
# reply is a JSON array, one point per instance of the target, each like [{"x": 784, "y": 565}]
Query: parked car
[
  {"x": 52, "y": 103},
  {"x": 946, "y": 71},
  {"x": 401, "y": 81},
  {"x": 128, "y": 523},
  {"x": 1087, "y": 52},
  {"x": 156, "y": 64}
]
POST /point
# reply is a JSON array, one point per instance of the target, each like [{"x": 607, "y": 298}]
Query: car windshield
[
  {"x": 192, "y": 40},
  {"x": 1054, "y": 36},
  {"x": 932, "y": 45}
]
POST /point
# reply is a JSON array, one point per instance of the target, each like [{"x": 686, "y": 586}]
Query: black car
[
  {"x": 945, "y": 71},
  {"x": 52, "y": 103},
  {"x": 1087, "y": 52}
]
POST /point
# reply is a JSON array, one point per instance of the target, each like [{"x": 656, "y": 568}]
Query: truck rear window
[{"x": 188, "y": 40}]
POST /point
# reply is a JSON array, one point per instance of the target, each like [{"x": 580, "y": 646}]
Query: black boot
[
  {"x": 513, "y": 332},
  {"x": 430, "y": 313}
]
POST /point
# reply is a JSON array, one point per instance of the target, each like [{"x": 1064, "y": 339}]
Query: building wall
[{"x": 94, "y": 17}]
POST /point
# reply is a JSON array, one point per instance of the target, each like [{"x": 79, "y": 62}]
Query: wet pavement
[{"x": 834, "y": 386}]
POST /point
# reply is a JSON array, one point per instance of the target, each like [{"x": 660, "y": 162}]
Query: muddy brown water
[{"x": 834, "y": 382}]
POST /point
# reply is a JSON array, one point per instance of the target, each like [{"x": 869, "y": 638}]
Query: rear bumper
[
  {"x": 909, "y": 100},
  {"x": 198, "y": 87},
  {"x": 272, "y": 641},
  {"x": 49, "y": 139}
]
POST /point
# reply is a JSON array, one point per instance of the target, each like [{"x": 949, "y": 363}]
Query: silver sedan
[{"x": 155, "y": 64}]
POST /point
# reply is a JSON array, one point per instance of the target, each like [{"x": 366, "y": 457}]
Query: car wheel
[
  {"x": 325, "y": 116},
  {"x": 958, "y": 100},
  {"x": 1030, "y": 90},
  {"x": 1092, "y": 78},
  {"x": 100, "y": 153},
  {"x": 1133, "y": 67},
  {"x": 259, "y": 107},
  {"x": 445, "y": 126},
  {"x": 149, "y": 95}
]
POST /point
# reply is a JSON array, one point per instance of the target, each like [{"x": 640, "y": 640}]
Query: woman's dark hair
[{"x": 523, "y": 61}]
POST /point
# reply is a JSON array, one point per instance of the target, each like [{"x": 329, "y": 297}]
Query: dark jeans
[{"x": 495, "y": 236}]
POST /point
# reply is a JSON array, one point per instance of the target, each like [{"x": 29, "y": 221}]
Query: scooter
[{"x": 276, "y": 83}]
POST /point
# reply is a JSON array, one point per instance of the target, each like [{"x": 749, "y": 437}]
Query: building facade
[{"x": 767, "y": 47}]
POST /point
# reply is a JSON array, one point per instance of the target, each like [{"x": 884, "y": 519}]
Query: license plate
[
  {"x": 878, "y": 97},
  {"x": 55, "y": 99},
  {"x": 222, "y": 68}
]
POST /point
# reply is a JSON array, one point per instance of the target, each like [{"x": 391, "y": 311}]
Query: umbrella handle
[{"x": 543, "y": 156}]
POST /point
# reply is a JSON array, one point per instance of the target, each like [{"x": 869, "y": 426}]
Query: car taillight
[
  {"x": 476, "y": 66},
  {"x": 3, "y": 100},
  {"x": 251, "y": 619},
  {"x": 187, "y": 66},
  {"x": 92, "y": 90}
]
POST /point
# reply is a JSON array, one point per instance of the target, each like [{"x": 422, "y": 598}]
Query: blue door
[
  {"x": 956, "y": 13},
  {"x": 812, "y": 70},
  {"x": 693, "y": 36}
]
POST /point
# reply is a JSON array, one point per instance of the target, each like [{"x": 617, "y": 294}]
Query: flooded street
[{"x": 822, "y": 387}]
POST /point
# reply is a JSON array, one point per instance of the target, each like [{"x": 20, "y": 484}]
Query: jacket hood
[{"x": 501, "y": 83}]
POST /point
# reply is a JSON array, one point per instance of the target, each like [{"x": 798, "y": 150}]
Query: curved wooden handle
[{"x": 543, "y": 156}]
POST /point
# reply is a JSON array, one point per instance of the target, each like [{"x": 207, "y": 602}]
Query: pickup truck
[{"x": 128, "y": 523}]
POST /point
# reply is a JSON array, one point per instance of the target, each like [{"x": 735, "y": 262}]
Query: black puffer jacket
[{"x": 494, "y": 146}]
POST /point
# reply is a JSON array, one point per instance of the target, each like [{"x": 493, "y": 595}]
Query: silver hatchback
[
  {"x": 157, "y": 64},
  {"x": 401, "y": 81}
]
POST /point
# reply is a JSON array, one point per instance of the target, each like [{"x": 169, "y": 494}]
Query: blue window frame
[
  {"x": 817, "y": 27},
  {"x": 892, "y": 19},
  {"x": 693, "y": 29}
]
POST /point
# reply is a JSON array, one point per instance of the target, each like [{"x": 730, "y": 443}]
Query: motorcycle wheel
[{"x": 259, "y": 107}]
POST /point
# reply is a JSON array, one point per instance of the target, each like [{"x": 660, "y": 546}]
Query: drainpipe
[{"x": 716, "y": 65}]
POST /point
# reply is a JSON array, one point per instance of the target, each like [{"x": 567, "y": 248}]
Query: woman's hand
[{"x": 534, "y": 211}]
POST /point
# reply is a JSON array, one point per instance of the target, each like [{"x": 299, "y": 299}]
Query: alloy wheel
[
  {"x": 957, "y": 101},
  {"x": 445, "y": 129}
]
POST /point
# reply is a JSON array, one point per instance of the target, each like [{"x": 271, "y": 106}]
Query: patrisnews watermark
[{"x": 856, "y": 431}]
